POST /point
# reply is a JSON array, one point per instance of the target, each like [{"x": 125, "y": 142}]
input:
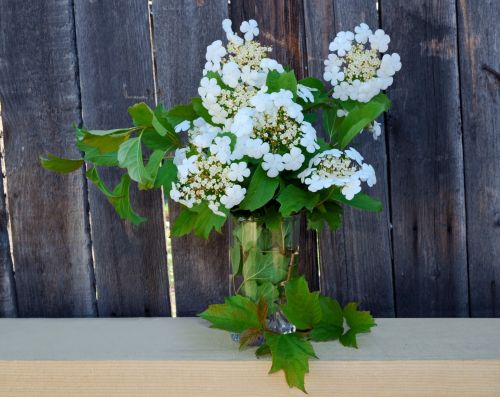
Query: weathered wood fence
[{"x": 434, "y": 251}]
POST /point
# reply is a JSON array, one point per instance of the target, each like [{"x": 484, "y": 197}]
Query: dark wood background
[{"x": 433, "y": 251}]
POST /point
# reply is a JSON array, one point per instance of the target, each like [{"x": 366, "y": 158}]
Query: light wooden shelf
[{"x": 182, "y": 357}]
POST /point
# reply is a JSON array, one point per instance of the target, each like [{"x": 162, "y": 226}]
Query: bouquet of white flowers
[{"x": 253, "y": 152}]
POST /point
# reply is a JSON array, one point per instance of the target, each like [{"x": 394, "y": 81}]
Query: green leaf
[
  {"x": 155, "y": 141},
  {"x": 95, "y": 157},
  {"x": 293, "y": 199},
  {"x": 290, "y": 353},
  {"x": 236, "y": 314},
  {"x": 200, "y": 220},
  {"x": 313, "y": 82},
  {"x": 143, "y": 116},
  {"x": 119, "y": 197},
  {"x": 59, "y": 164},
  {"x": 360, "y": 200},
  {"x": 331, "y": 325},
  {"x": 181, "y": 113},
  {"x": 359, "y": 117},
  {"x": 152, "y": 168},
  {"x": 329, "y": 213},
  {"x": 281, "y": 81},
  {"x": 263, "y": 350},
  {"x": 329, "y": 116},
  {"x": 105, "y": 141},
  {"x": 358, "y": 321},
  {"x": 262, "y": 267},
  {"x": 130, "y": 157},
  {"x": 268, "y": 292},
  {"x": 302, "y": 307},
  {"x": 260, "y": 191},
  {"x": 166, "y": 175}
]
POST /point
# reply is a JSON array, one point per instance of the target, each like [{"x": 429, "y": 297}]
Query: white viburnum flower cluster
[
  {"x": 209, "y": 178},
  {"x": 336, "y": 168},
  {"x": 354, "y": 67}
]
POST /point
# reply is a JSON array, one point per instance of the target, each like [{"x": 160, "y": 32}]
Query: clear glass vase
[{"x": 264, "y": 254}]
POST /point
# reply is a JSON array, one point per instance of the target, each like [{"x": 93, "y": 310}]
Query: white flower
[
  {"x": 231, "y": 74},
  {"x": 215, "y": 52},
  {"x": 242, "y": 123},
  {"x": 179, "y": 155},
  {"x": 362, "y": 31},
  {"x": 367, "y": 174},
  {"x": 250, "y": 29},
  {"x": 389, "y": 66},
  {"x": 273, "y": 164},
  {"x": 256, "y": 148},
  {"x": 238, "y": 171},
  {"x": 208, "y": 88},
  {"x": 188, "y": 165},
  {"x": 221, "y": 148},
  {"x": 332, "y": 71},
  {"x": 174, "y": 193},
  {"x": 262, "y": 102},
  {"x": 233, "y": 196},
  {"x": 342, "y": 91},
  {"x": 376, "y": 129},
  {"x": 293, "y": 160},
  {"x": 353, "y": 154},
  {"x": 250, "y": 76},
  {"x": 214, "y": 207},
  {"x": 351, "y": 188},
  {"x": 231, "y": 36},
  {"x": 308, "y": 139},
  {"x": 379, "y": 40},
  {"x": 268, "y": 64},
  {"x": 342, "y": 113},
  {"x": 342, "y": 43},
  {"x": 305, "y": 92},
  {"x": 183, "y": 126}
]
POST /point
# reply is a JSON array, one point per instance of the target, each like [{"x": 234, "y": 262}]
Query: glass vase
[{"x": 264, "y": 255}]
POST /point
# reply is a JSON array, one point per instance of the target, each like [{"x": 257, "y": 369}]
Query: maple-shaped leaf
[
  {"x": 291, "y": 353},
  {"x": 302, "y": 307},
  {"x": 359, "y": 322},
  {"x": 236, "y": 314},
  {"x": 331, "y": 325}
]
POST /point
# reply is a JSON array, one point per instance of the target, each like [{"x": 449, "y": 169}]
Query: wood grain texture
[
  {"x": 479, "y": 40},
  {"x": 8, "y": 304},
  {"x": 281, "y": 25},
  {"x": 182, "y": 31},
  {"x": 356, "y": 261},
  {"x": 248, "y": 379},
  {"x": 426, "y": 160},
  {"x": 115, "y": 72},
  {"x": 39, "y": 94}
]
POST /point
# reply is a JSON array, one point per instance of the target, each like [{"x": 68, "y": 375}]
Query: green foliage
[
  {"x": 59, "y": 164},
  {"x": 361, "y": 201},
  {"x": 302, "y": 307},
  {"x": 281, "y": 81},
  {"x": 291, "y": 353},
  {"x": 199, "y": 220},
  {"x": 130, "y": 157},
  {"x": 331, "y": 325},
  {"x": 260, "y": 191},
  {"x": 236, "y": 314},
  {"x": 358, "y": 321},
  {"x": 293, "y": 199},
  {"x": 262, "y": 267},
  {"x": 152, "y": 168},
  {"x": 200, "y": 110},
  {"x": 327, "y": 212},
  {"x": 359, "y": 117},
  {"x": 105, "y": 141},
  {"x": 166, "y": 175},
  {"x": 119, "y": 197},
  {"x": 329, "y": 116}
]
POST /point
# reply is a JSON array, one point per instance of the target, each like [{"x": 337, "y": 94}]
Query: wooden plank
[
  {"x": 182, "y": 31},
  {"x": 130, "y": 357},
  {"x": 8, "y": 304},
  {"x": 115, "y": 72},
  {"x": 187, "y": 379},
  {"x": 426, "y": 161},
  {"x": 479, "y": 39},
  {"x": 39, "y": 94},
  {"x": 281, "y": 25},
  {"x": 356, "y": 261}
]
